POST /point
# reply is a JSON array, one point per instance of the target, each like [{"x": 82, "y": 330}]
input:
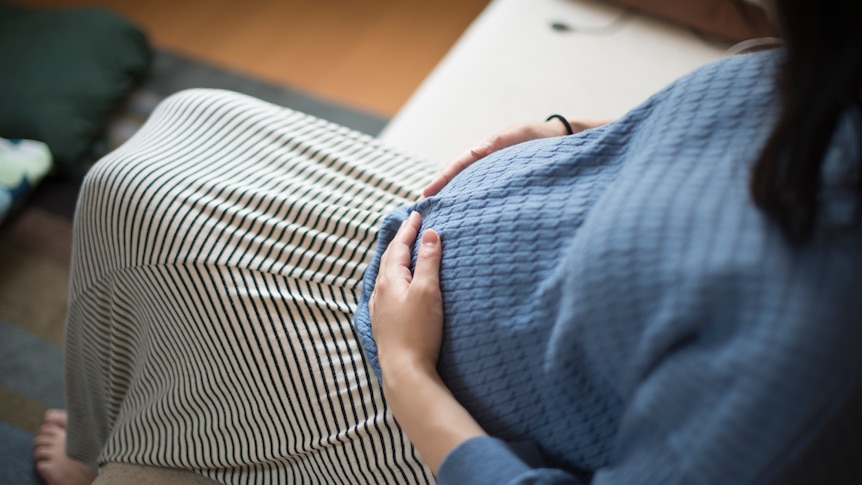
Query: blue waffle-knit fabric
[{"x": 614, "y": 301}]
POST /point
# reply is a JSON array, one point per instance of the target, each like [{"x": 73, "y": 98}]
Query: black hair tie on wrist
[{"x": 564, "y": 121}]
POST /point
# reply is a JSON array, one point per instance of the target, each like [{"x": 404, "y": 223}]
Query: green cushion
[{"x": 64, "y": 73}]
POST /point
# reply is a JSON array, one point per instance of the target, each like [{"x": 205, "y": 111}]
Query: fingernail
[{"x": 430, "y": 238}]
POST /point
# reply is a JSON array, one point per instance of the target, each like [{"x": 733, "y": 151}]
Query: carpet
[{"x": 35, "y": 246}]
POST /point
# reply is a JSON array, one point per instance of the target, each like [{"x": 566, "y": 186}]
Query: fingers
[
  {"x": 426, "y": 276},
  {"x": 406, "y": 309},
  {"x": 409, "y": 230},
  {"x": 395, "y": 261},
  {"x": 506, "y": 138},
  {"x": 400, "y": 247},
  {"x": 463, "y": 161},
  {"x": 486, "y": 148}
]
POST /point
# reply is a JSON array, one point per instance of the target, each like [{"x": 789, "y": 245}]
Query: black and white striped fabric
[{"x": 217, "y": 261}]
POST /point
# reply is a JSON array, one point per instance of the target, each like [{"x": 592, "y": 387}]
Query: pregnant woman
[{"x": 672, "y": 297}]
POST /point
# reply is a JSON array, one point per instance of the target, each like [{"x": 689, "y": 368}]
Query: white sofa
[{"x": 512, "y": 65}]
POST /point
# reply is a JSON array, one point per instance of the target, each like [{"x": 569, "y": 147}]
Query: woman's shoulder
[
  {"x": 756, "y": 65},
  {"x": 734, "y": 77}
]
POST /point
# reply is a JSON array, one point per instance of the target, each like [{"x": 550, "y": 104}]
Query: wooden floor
[{"x": 366, "y": 54}]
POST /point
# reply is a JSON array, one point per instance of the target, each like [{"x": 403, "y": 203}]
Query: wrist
[
  {"x": 425, "y": 408},
  {"x": 561, "y": 120},
  {"x": 404, "y": 372}
]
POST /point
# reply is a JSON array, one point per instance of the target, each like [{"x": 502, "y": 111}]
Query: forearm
[
  {"x": 433, "y": 419},
  {"x": 581, "y": 124}
]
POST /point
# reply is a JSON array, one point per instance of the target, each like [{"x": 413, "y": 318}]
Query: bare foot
[{"x": 49, "y": 454}]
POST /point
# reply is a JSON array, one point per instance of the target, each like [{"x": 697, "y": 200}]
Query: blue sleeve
[{"x": 486, "y": 460}]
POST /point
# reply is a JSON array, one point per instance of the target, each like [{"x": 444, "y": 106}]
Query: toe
[
  {"x": 41, "y": 453},
  {"x": 56, "y": 416},
  {"x": 42, "y": 466},
  {"x": 50, "y": 430},
  {"x": 42, "y": 440}
]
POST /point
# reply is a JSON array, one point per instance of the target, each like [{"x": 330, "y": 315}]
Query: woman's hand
[
  {"x": 407, "y": 309},
  {"x": 508, "y": 137},
  {"x": 407, "y": 323}
]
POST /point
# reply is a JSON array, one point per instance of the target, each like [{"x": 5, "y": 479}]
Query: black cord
[{"x": 611, "y": 28}]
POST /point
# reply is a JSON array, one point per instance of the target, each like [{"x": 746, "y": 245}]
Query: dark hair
[{"x": 820, "y": 77}]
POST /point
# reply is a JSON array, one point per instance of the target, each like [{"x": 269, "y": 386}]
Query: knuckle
[
  {"x": 426, "y": 286},
  {"x": 428, "y": 251},
  {"x": 497, "y": 140},
  {"x": 380, "y": 285},
  {"x": 427, "y": 294},
  {"x": 427, "y": 265}
]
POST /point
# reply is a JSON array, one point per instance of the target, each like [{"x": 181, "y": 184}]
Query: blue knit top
[{"x": 618, "y": 311}]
